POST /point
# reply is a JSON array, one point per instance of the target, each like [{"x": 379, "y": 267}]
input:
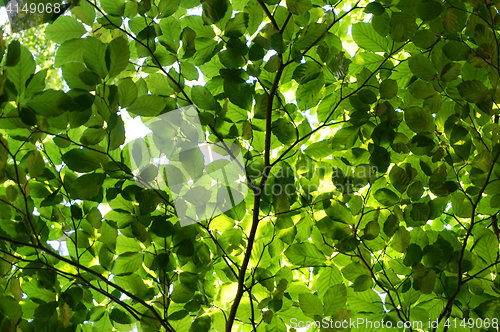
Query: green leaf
[
  {"x": 422, "y": 90},
  {"x": 401, "y": 240},
  {"x": 339, "y": 65},
  {"x": 85, "y": 12},
  {"x": 308, "y": 95},
  {"x": 456, "y": 51},
  {"x": 13, "y": 53},
  {"x": 94, "y": 56},
  {"x": 117, "y": 136},
  {"x": 87, "y": 186},
  {"x": 10, "y": 308},
  {"x": 419, "y": 214},
  {"x": 402, "y": 26},
  {"x": 150, "y": 324},
  {"x": 117, "y": 56},
  {"x": 193, "y": 162},
  {"x": 202, "y": 97},
  {"x": 413, "y": 255},
  {"x": 36, "y": 164},
  {"x": 388, "y": 89},
  {"x": 70, "y": 50},
  {"x": 367, "y": 301},
  {"x": 168, "y": 7},
  {"x": 310, "y": 305},
  {"x": 127, "y": 263},
  {"x": 419, "y": 120},
  {"x": 255, "y": 16},
  {"x": 380, "y": 158},
  {"x": 486, "y": 247},
  {"x": 298, "y": 7},
  {"x": 36, "y": 83},
  {"x": 284, "y": 131},
  {"x": 461, "y": 141},
  {"x": 89, "y": 78},
  {"x": 50, "y": 103},
  {"x": 182, "y": 293},
  {"x": 339, "y": 212},
  {"x": 237, "y": 26},
  {"x": 311, "y": 36},
  {"x": 362, "y": 283},
  {"x": 189, "y": 71},
  {"x": 367, "y": 38},
  {"x": 92, "y": 136},
  {"x": 473, "y": 91},
  {"x": 158, "y": 84},
  {"x": 127, "y": 92},
  {"x": 64, "y": 28},
  {"x": 429, "y": 9},
  {"x": 367, "y": 96},
  {"x": 306, "y": 72},
  {"x": 334, "y": 299},
  {"x": 400, "y": 179},
  {"x": 386, "y": 197},
  {"x": 451, "y": 72},
  {"x": 94, "y": 217},
  {"x": 415, "y": 190},
  {"x": 422, "y": 67},
  {"x": 171, "y": 32},
  {"x": 113, "y": 7},
  {"x": 120, "y": 316},
  {"x": 375, "y": 8},
  {"x": 74, "y": 73},
  {"x": 348, "y": 244},
  {"x": 240, "y": 94},
  {"x": 215, "y": 10},
  {"x": 424, "y": 38},
  {"x": 426, "y": 283},
  {"x": 125, "y": 244},
  {"x": 304, "y": 254},
  {"x": 372, "y": 230},
  {"x": 328, "y": 277},
  {"x": 83, "y": 160},
  {"x": 21, "y": 72},
  {"x": 148, "y": 105},
  {"x": 483, "y": 161}
]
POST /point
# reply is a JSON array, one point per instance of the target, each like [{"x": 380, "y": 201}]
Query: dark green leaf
[
  {"x": 418, "y": 120},
  {"x": 386, "y": 197},
  {"x": 117, "y": 56},
  {"x": 422, "y": 67},
  {"x": 215, "y": 10},
  {"x": 87, "y": 186},
  {"x": 83, "y": 160},
  {"x": 298, "y": 7},
  {"x": 13, "y": 53},
  {"x": 50, "y": 103}
]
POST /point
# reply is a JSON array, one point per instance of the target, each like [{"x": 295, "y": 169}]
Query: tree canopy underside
[{"x": 369, "y": 134}]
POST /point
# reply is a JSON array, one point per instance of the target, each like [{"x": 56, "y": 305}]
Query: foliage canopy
[{"x": 371, "y": 142}]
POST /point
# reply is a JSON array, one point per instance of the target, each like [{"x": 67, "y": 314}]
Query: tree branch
[
  {"x": 269, "y": 15},
  {"x": 256, "y": 205},
  {"x": 97, "y": 274}
]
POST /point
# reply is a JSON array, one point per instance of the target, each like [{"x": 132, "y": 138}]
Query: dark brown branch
[
  {"x": 269, "y": 15},
  {"x": 256, "y": 205}
]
